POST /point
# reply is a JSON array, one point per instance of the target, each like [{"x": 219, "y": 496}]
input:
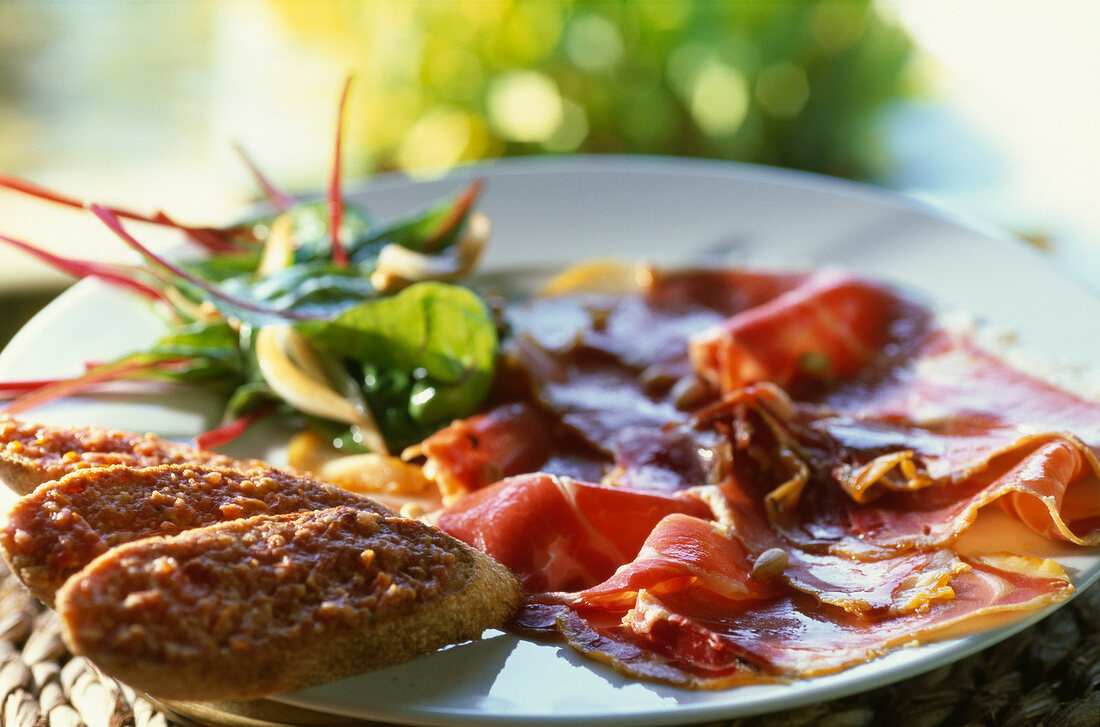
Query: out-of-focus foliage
[
  {"x": 18, "y": 39},
  {"x": 793, "y": 83},
  {"x": 90, "y": 84}
]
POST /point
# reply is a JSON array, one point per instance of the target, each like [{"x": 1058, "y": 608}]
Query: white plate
[{"x": 559, "y": 210}]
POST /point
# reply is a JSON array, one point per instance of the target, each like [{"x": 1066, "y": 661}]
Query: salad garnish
[{"x": 315, "y": 310}]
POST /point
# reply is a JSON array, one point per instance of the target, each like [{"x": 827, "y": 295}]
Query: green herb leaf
[
  {"x": 212, "y": 352},
  {"x": 437, "y": 227},
  {"x": 427, "y": 355}
]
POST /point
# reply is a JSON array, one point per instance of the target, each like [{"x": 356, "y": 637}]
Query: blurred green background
[
  {"x": 138, "y": 103},
  {"x": 796, "y": 84}
]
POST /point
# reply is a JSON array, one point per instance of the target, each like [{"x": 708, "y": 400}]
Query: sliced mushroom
[
  {"x": 399, "y": 266},
  {"x": 296, "y": 373}
]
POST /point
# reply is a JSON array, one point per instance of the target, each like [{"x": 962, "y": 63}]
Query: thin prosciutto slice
[
  {"x": 1049, "y": 483},
  {"x": 829, "y": 327},
  {"x": 910, "y": 462},
  {"x": 955, "y": 406},
  {"x": 472, "y": 453},
  {"x": 843, "y": 430},
  {"x": 687, "y": 610},
  {"x": 556, "y": 533},
  {"x": 693, "y": 637},
  {"x": 593, "y": 359},
  {"x": 681, "y": 551}
]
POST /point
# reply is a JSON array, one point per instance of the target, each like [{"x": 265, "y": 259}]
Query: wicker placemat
[{"x": 1048, "y": 675}]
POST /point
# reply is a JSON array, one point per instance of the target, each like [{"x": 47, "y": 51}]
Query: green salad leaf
[
  {"x": 391, "y": 362},
  {"x": 424, "y": 356}
]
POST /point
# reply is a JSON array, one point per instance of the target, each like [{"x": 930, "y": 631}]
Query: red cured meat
[
  {"x": 687, "y": 611},
  {"x": 588, "y": 357},
  {"x": 692, "y": 637},
  {"x": 471, "y": 453},
  {"x": 830, "y": 327},
  {"x": 971, "y": 430},
  {"x": 843, "y": 429},
  {"x": 557, "y": 533}
]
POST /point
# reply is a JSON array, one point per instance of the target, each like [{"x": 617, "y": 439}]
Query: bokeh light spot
[
  {"x": 572, "y": 131},
  {"x": 837, "y": 26},
  {"x": 782, "y": 89},
  {"x": 719, "y": 98},
  {"x": 683, "y": 65},
  {"x": 435, "y": 143},
  {"x": 593, "y": 43},
  {"x": 525, "y": 106}
]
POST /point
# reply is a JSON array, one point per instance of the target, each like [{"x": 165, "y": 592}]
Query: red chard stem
[
  {"x": 335, "y": 193},
  {"x": 230, "y": 430},
  {"x": 113, "y": 274},
  {"x": 208, "y": 237},
  {"x": 115, "y": 226},
  {"x": 277, "y": 197},
  {"x": 51, "y": 390},
  {"x": 457, "y": 213}
]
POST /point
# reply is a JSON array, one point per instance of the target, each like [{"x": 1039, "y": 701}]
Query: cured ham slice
[
  {"x": 688, "y": 611},
  {"x": 951, "y": 384},
  {"x": 841, "y": 436},
  {"x": 692, "y": 637},
  {"x": 605, "y": 363},
  {"x": 681, "y": 551},
  {"x": 668, "y": 459},
  {"x": 557, "y": 533},
  {"x": 1037, "y": 483},
  {"x": 726, "y": 291},
  {"x": 830, "y": 327},
  {"x": 471, "y": 453},
  {"x": 912, "y": 461}
]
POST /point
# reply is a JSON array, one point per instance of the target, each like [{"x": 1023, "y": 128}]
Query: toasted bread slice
[
  {"x": 31, "y": 454},
  {"x": 59, "y": 528},
  {"x": 257, "y": 606}
]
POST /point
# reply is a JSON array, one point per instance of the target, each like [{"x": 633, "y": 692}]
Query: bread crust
[
  {"x": 59, "y": 528},
  {"x": 196, "y": 576},
  {"x": 32, "y": 454},
  {"x": 331, "y": 612}
]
